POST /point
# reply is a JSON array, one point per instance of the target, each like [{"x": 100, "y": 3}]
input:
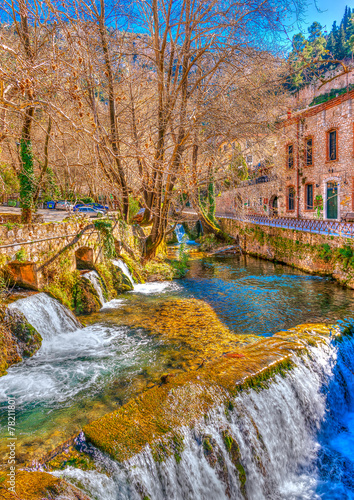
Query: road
[{"x": 48, "y": 215}]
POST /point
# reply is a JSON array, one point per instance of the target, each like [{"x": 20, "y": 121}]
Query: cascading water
[
  {"x": 93, "y": 277},
  {"x": 124, "y": 268},
  {"x": 46, "y": 315},
  {"x": 180, "y": 233},
  {"x": 277, "y": 443},
  {"x": 74, "y": 377}
]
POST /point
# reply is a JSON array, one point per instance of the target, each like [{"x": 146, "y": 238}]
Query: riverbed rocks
[{"x": 190, "y": 324}]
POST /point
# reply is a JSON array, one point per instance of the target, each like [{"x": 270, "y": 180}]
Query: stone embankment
[{"x": 324, "y": 255}]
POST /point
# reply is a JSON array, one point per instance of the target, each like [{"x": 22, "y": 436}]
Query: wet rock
[
  {"x": 85, "y": 297},
  {"x": 39, "y": 486},
  {"x": 27, "y": 338},
  {"x": 18, "y": 339}
]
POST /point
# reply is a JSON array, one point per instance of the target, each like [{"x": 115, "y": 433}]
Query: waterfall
[
  {"x": 93, "y": 277},
  {"x": 46, "y": 315},
  {"x": 270, "y": 444},
  {"x": 125, "y": 270},
  {"x": 180, "y": 233}
]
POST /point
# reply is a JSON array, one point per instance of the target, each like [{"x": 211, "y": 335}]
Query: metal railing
[
  {"x": 258, "y": 180},
  {"x": 331, "y": 227}
]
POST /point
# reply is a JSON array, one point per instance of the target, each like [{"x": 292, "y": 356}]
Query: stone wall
[
  {"x": 27, "y": 250},
  {"x": 312, "y": 253}
]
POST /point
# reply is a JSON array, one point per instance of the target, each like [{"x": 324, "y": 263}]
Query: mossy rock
[
  {"x": 18, "y": 339},
  {"x": 233, "y": 450},
  {"x": 39, "y": 486},
  {"x": 121, "y": 282},
  {"x": 114, "y": 280},
  {"x": 27, "y": 338},
  {"x": 85, "y": 297},
  {"x": 215, "y": 458}
]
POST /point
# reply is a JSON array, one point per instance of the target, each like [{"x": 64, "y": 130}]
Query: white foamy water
[
  {"x": 113, "y": 304},
  {"x": 93, "y": 277},
  {"x": 279, "y": 433},
  {"x": 69, "y": 363},
  {"x": 46, "y": 315},
  {"x": 155, "y": 287}
]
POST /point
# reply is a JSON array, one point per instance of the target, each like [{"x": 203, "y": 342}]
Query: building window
[
  {"x": 332, "y": 145},
  {"x": 309, "y": 197},
  {"x": 290, "y": 199},
  {"x": 290, "y": 155},
  {"x": 309, "y": 152}
]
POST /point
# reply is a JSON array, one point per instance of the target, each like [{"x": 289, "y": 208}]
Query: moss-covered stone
[
  {"x": 233, "y": 450},
  {"x": 39, "y": 486},
  {"x": 26, "y": 336},
  {"x": 18, "y": 339},
  {"x": 85, "y": 297},
  {"x": 114, "y": 280}
]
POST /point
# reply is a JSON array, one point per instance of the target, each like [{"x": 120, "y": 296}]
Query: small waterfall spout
[
  {"x": 46, "y": 315},
  {"x": 93, "y": 277},
  {"x": 180, "y": 233},
  {"x": 124, "y": 268}
]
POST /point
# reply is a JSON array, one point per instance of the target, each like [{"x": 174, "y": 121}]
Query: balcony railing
[
  {"x": 259, "y": 180},
  {"x": 331, "y": 227}
]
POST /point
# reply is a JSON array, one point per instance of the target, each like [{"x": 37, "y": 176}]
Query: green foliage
[
  {"x": 325, "y": 252},
  {"x": 208, "y": 242},
  {"x": 10, "y": 181},
  {"x": 50, "y": 188},
  {"x": 106, "y": 229},
  {"x": 330, "y": 95},
  {"x": 318, "y": 53},
  {"x": 21, "y": 255},
  {"x": 133, "y": 207},
  {"x": 347, "y": 254},
  {"x": 11, "y": 225},
  {"x": 26, "y": 175},
  {"x": 180, "y": 265}
]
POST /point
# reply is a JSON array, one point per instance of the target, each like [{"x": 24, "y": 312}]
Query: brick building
[{"x": 312, "y": 175}]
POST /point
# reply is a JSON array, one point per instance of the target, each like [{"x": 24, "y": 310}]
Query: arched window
[{"x": 290, "y": 199}]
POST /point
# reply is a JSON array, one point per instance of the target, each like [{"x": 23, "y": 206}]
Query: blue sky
[{"x": 326, "y": 12}]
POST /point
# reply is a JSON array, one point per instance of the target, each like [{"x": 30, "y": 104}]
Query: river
[{"x": 83, "y": 372}]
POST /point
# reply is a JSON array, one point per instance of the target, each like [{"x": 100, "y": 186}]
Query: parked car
[
  {"x": 96, "y": 206},
  {"x": 63, "y": 205},
  {"x": 90, "y": 211}
]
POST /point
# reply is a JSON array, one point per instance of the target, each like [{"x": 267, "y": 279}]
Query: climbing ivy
[
  {"x": 106, "y": 230},
  {"x": 27, "y": 179}
]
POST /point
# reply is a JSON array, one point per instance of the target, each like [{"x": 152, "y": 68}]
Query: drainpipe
[{"x": 298, "y": 170}]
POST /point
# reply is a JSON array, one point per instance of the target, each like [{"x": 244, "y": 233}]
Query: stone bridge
[{"x": 26, "y": 251}]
